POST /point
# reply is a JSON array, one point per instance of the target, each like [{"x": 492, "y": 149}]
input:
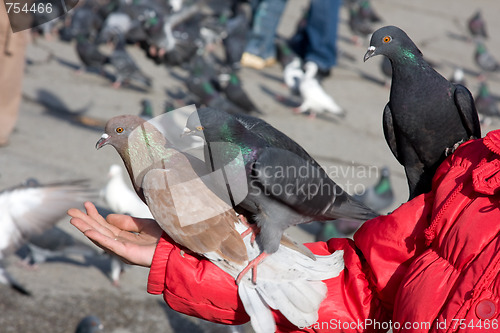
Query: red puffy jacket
[{"x": 431, "y": 265}]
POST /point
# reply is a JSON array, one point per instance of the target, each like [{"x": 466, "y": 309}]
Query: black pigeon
[
  {"x": 89, "y": 54},
  {"x": 379, "y": 196},
  {"x": 426, "y": 115},
  {"x": 485, "y": 59},
  {"x": 277, "y": 197},
  {"x": 231, "y": 85},
  {"x": 126, "y": 68},
  {"x": 486, "y": 104},
  {"x": 477, "y": 25}
]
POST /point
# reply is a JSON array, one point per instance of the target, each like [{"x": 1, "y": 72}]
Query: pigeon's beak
[
  {"x": 102, "y": 141},
  {"x": 370, "y": 53},
  {"x": 186, "y": 132}
]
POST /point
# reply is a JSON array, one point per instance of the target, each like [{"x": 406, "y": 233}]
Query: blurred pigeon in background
[
  {"x": 484, "y": 59},
  {"x": 380, "y": 196},
  {"x": 477, "y": 25},
  {"x": 126, "y": 69},
  {"x": 89, "y": 324},
  {"x": 316, "y": 100},
  {"x": 55, "y": 243},
  {"x": 486, "y": 104}
]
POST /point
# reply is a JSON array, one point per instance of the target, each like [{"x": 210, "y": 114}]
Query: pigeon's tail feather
[
  {"x": 260, "y": 314},
  {"x": 346, "y": 206}
]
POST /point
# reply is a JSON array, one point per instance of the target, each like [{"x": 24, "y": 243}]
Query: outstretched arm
[{"x": 132, "y": 239}]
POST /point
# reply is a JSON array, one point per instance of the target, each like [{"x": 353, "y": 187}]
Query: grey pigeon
[
  {"x": 89, "y": 324},
  {"x": 380, "y": 196},
  {"x": 194, "y": 217},
  {"x": 477, "y": 25},
  {"x": 426, "y": 116},
  {"x": 367, "y": 12},
  {"x": 359, "y": 25},
  {"x": 56, "y": 243},
  {"x": 276, "y": 199},
  {"x": 28, "y": 210},
  {"x": 125, "y": 66},
  {"x": 147, "y": 109},
  {"x": 484, "y": 59},
  {"x": 486, "y": 104}
]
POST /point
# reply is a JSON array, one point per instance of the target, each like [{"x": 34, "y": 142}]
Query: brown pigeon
[
  {"x": 198, "y": 219},
  {"x": 165, "y": 180}
]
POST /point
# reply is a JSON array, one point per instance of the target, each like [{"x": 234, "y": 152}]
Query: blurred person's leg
[
  {"x": 317, "y": 41},
  {"x": 12, "y": 60},
  {"x": 260, "y": 49}
]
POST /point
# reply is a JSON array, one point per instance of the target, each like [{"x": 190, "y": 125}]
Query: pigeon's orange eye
[
  {"x": 387, "y": 39},
  {"x": 199, "y": 128},
  {"x": 119, "y": 129}
]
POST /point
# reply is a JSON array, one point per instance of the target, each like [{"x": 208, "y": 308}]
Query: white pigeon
[
  {"x": 30, "y": 209},
  {"x": 293, "y": 75},
  {"x": 316, "y": 100},
  {"x": 120, "y": 198}
]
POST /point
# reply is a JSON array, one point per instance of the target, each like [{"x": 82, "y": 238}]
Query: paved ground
[{"x": 49, "y": 146}]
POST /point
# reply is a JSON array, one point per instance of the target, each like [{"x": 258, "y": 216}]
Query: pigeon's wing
[
  {"x": 467, "y": 110},
  {"x": 389, "y": 134},
  {"x": 6, "y": 278},
  {"x": 305, "y": 187},
  {"x": 30, "y": 210},
  {"x": 191, "y": 214}
]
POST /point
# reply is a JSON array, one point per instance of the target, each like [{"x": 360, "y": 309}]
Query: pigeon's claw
[
  {"x": 252, "y": 229},
  {"x": 252, "y": 265}
]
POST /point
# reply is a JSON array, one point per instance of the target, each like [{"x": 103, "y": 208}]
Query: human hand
[{"x": 132, "y": 239}]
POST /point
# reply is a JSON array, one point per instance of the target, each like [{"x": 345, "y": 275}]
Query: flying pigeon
[
  {"x": 485, "y": 59},
  {"x": 477, "y": 25},
  {"x": 379, "y": 196},
  {"x": 89, "y": 324},
  {"x": 28, "y": 210},
  {"x": 426, "y": 116},
  {"x": 125, "y": 66},
  {"x": 486, "y": 104},
  {"x": 197, "y": 219},
  {"x": 277, "y": 198},
  {"x": 316, "y": 100}
]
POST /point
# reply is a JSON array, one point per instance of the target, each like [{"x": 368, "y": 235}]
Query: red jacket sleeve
[{"x": 375, "y": 263}]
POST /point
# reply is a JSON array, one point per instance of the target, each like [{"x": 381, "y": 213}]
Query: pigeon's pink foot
[
  {"x": 252, "y": 229},
  {"x": 252, "y": 265}
]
